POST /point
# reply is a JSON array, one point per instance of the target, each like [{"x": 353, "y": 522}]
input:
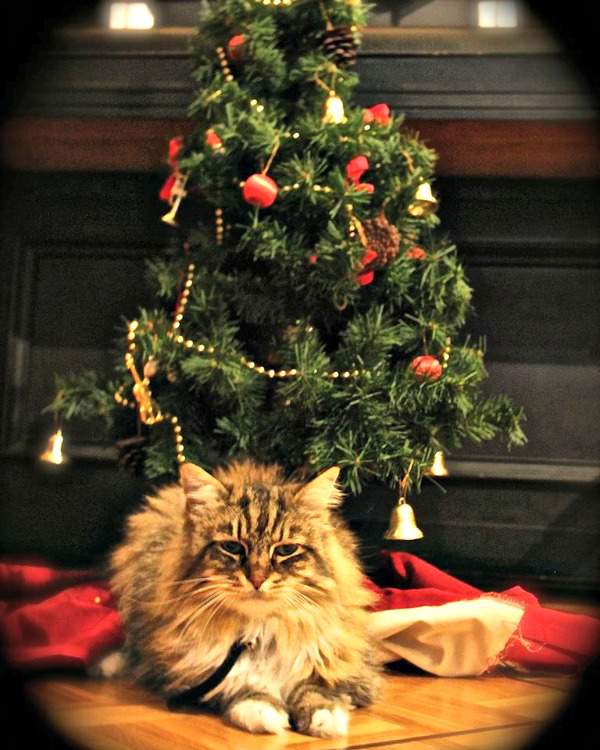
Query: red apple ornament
[
  {"x": 426, "y": 367},
  {"x": 260, "y": 190}
]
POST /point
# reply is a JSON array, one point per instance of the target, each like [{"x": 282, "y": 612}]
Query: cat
[{"x": 245, "y": 557}]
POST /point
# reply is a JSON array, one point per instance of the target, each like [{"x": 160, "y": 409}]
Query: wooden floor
[
  {"x": 502, "y": 711},
  {"x": 416, "y": 712}
]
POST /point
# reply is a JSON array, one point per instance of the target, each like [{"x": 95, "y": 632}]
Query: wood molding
[{"x": 507, "y": 148}]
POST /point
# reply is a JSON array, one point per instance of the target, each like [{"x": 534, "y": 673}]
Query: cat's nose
[{"x": 257, "y": 578}]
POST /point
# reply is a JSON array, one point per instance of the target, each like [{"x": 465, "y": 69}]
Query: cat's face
[{"x": 258, "y": 544}]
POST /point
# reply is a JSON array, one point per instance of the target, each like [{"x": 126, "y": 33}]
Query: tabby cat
[{"x": 247, "y": 557}]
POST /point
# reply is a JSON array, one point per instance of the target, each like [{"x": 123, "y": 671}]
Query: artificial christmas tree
[{"x": 311, "y": 314}]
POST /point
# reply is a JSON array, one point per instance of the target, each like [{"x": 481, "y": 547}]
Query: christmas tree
[{"x": 311, "y": 312}]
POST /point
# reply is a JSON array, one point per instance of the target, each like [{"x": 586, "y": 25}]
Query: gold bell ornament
[
  {"x": 424, "y": 203},
  {"x": 178, "y": 193},
  {"x": 54, "y": 452},
  {"x": 333, "y": 110},
  {"x": 402, "y": 523},
  {"x": 438, "y": 468},
  {"x": 402, "y": 526}
]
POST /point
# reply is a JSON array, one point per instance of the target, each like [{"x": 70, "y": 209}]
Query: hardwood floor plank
[
  {"x": 466, "y": 702},
  {"x": 502, "y": 738},
  {"x": 415, "y": 712}
]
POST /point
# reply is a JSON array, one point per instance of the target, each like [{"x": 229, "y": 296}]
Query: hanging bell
[
  {"x": 424, "y": 202},
  {"x": 333, "y": 111},
  {"x": 402, "y": 523},
  {"x": 54, "y": 452},
  {"x": 438, "y": 468}
]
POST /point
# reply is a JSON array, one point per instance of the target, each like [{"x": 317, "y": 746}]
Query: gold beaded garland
[
  {"x": 219, "y": 226},
  {"x": 183, "y": 298},
  {"x": 223, "y": 62},
  {"x": 149, "y": 412},
  {"x": 178, "y": 436}
]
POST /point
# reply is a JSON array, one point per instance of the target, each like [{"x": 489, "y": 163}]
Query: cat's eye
[
  {"x": 232, "y": 548},
  {"x": 285, "y": 550}
]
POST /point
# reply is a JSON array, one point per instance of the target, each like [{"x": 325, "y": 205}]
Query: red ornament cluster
[
  {"x": 426, "y": 367},
  {"x": 367, "y": 275},
  {"x": 379, "y": 113},
  {"x": 175, "y": 146},
  {"x": 213, "y": 139},
  {"x": 354, "y": 171}
]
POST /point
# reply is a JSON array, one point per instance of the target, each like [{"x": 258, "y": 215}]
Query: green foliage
[
  {"x": 282, "y": 353},
  {"x": 82, "y": 396}
]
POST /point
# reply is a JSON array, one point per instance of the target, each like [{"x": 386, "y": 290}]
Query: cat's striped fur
[{"x": 245, "y": 555}]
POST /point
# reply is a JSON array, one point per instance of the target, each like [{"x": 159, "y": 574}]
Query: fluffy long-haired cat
[{"x": 247, "y": 575}]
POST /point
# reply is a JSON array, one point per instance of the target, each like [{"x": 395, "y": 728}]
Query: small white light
[
  {"x": 130, "y": 16},
  {"x": 497, "y": 14}
]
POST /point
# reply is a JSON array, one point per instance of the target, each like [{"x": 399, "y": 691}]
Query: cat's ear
[
  {"x": 322, "y": 492},
  {"x": 199, "y": 486}
]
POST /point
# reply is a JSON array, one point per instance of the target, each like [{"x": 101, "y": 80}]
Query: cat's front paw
[
  {"x": 110, "y": 665},
  {"x": 258, "y": 716},
  {"x": 324, "y": 722}
]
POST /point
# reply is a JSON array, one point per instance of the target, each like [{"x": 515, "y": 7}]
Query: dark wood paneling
[
  {"x": 465, "y": 148},
  {"x": 76, "y": 245},
  {"x": 425, "y": 73},
  {"x": 494, "y": 532},
  {"x": 70, "y": 514}
]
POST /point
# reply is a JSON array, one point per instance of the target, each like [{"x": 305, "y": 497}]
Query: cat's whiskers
[
  {"x": 169, "y": 600},
  {"x": 186, "y": 619},
  {"x": 298, "y": 599},
  {"x": 198, "y": 579},
  {"x": 209, "y": 612}
]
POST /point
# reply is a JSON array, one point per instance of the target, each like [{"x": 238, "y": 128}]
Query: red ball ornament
[
  {"x": 235, "y": 47},
  {"x": 260, "y": 190},
  {"x": 426, "y": 367}
]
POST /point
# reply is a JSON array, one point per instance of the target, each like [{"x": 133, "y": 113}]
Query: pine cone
[
  {"x": 340, "y": 45},
  {"x": 132, "y": 454},
  {"x": 383, "y": 238}
]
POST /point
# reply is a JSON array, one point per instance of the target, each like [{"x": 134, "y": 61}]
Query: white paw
[
  {"x": 328, "y": 722},
  {"x": 255, "y": 715},
  {"x": 108, "y": 666}
]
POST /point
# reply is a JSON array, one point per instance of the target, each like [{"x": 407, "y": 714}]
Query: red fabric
[
  {"x": 51, "y": 618},
  {"x": 547, "y": 639}
]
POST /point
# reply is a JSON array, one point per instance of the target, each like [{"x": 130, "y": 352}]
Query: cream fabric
[{"x": 457, "y": 639}]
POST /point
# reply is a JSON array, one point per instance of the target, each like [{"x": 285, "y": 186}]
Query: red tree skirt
[{"x": 51, "y": 618}]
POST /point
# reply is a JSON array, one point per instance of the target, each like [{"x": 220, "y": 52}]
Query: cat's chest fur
[{"x": 273, "y": 661}]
